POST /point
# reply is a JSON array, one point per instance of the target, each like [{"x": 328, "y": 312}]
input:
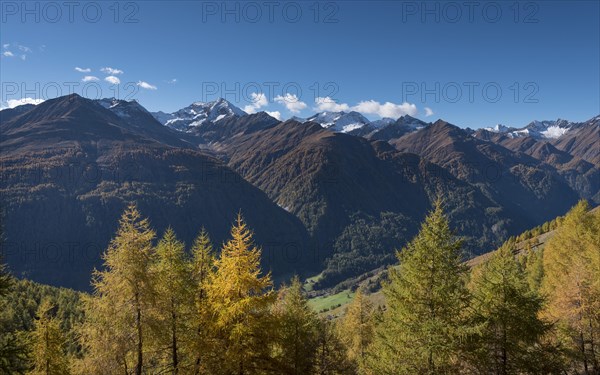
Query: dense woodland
[{"x": 159, "y": 308}]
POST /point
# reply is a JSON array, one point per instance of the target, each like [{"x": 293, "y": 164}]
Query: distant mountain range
[
  {"x": 536, "y": 129},
  {"x": 334, "y": 192},
  {"x": 352, "y": 122}
]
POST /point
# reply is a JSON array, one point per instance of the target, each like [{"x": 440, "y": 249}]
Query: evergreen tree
[
  {"x": 424, "y": 324},
  {"x": 5, "y": 277},
  {"x": 331, "y": 355},
  {"x": 6, "y": 280},
  {"x": 571, "y": 274},
  {"x": 297, "y": 331},
  {"x": 13, "y": 353},
  {"x": 174, "y": 300},
  {"x": 48, "y": 343},
  {"x": 506, "y": 310},
  {"x": 117, "y": 315},
  {"x": 241, "y": 301},
  {"x": 357, "y": 329},
  {"x": 202, "y": 269},
  {"x": 533, "y": 263}
]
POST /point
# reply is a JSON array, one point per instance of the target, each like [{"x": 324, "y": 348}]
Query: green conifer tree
[
  {"x": 48, "y": 343},
  {"x": 506, "y": 310},
  {"x": 297, "y": 331},
  {"x": 424, "y": 325}
]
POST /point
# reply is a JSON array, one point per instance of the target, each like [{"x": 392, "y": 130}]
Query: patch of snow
[
  {"x": 122, "y": 108},
  {"x": 554, "y": 132},
  {"x": 499, "y": 128},
  {"x": 548, "y": 129}
]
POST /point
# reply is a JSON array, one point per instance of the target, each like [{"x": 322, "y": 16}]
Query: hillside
[
  {"x": 358, "y": 199},
  {"x": 333, "y": 302}
]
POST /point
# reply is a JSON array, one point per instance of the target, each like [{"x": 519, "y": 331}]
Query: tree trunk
[
  {"x": 504, "y": 355},
  {"x": 593, "y": 348},
  {"x": 138, "y": 322},
  {"x": 174, "y": 338},
  {"x": 585, "y": 364},
  {"x": 46, "y": 336}
]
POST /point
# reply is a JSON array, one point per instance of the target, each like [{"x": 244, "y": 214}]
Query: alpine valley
[{"x": 334, "y": 194}]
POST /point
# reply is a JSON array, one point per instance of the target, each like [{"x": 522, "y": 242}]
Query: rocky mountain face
[
  {"x": 358, "y": 199},
  {"x": 337, "y": 183},
  {"x": 575, "y": 154},
  {"x": 386, "y": 131},
  {"x": 521, "y": 184}
]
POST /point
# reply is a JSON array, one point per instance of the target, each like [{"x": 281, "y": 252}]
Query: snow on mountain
[
  {"x": 554, "y": 132},
  {"x": 549, "y": 129},
  {"x": 378, "y": 124},
  {"x": 299, "y": 119},
  {"x": 162, "y": 117},
  {"x": 198, "y": 113},
  {"x": 499, "y": 128},
  {"x": 342, "y": 122},
  {"x": 411, "y": 122},
  {"x": 122, "y": 108}
]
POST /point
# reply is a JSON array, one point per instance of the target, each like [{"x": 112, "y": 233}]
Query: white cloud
[
  {"x": 275, "y": 114},
  {"x": 369, "y": 107},
  {"x": 90, "y": 79},
  {"x": 172, "y": 81},
  {"x": 146, "y": 85},
  {"x": 428, "y": 112},
  {"x": 83, "y": 70},
  {"x": 258, "y": 100},
  {"x": 330, "y": 105},
  {"x": 12, "y": 103},
  {"x": 23, "y": 48},
  {"x": 291, "y": 102},
  {"x": 111, "y": 71},
  {"x": 386, "y": 109},
  {"x": 112, "y": 80},
  {"x": 24, "y": 51}
]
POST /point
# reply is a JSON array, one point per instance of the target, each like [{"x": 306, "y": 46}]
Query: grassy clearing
[
  {"x": 322, "y": 303},
  {"x": 310, "y": 282}
]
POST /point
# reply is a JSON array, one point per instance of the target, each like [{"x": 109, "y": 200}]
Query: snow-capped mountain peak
[
  {"x": 343, "y": 122},
  {"x": 122, "y": 108},
  {"x": 198, "y": 113},
  {"x": 547, "y": 129},
  {"x": 411, "y": 122},
  {"x": 499, "y": 128}
]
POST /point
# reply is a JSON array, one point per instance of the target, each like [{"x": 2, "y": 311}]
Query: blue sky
[{"x": 471, "y": 63}]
